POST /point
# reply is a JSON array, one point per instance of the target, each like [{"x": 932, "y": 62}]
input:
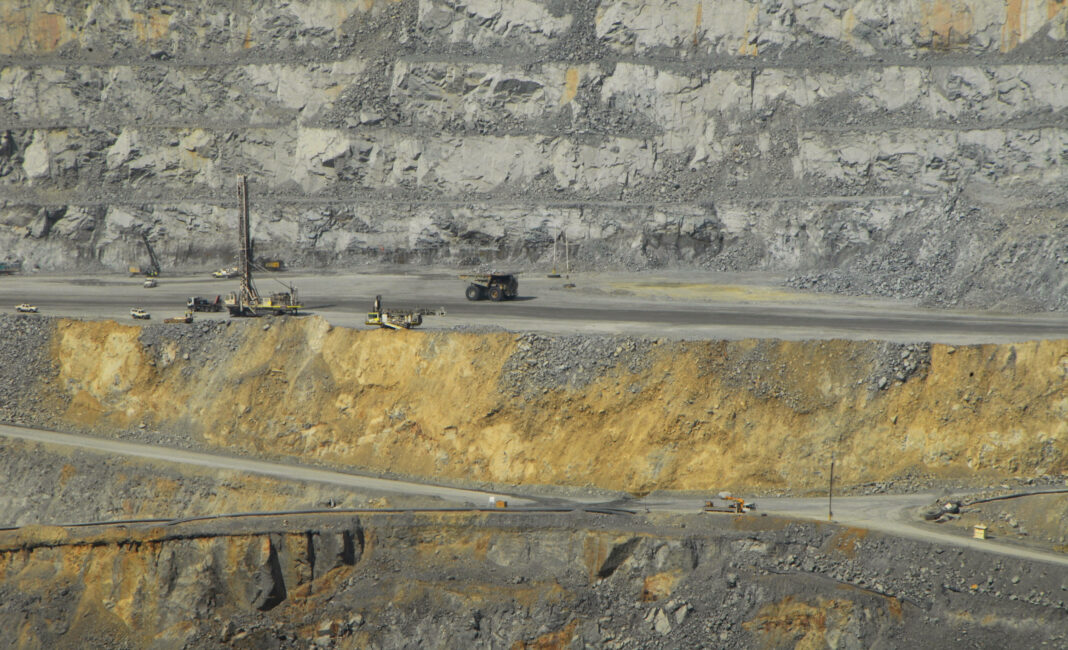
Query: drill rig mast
[{"x": 247, "y": 301}]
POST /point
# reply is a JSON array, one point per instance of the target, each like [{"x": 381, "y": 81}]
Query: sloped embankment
[
  {"x": 512, "y": 580},
  {"x": 53, "y": 485},
  {"x": 585, "y": 411}
]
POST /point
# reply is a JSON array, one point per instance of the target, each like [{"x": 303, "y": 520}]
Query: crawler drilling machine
[{"x": 247, "y": 301}]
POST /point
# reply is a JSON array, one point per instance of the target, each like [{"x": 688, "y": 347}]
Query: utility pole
[
  {"x": 556, "y": 239},
  {"x": 830, "y": 489},
  {"x": 567, "y": 255}
]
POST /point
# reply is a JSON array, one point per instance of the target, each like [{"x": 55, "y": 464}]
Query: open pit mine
[{"x": 534, "y": 324}]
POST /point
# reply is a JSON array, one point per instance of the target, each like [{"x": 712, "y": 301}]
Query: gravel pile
[
  {"x": 895, "y": 363},
  {"x": 543, "y": 363},
  {"x": 950, "y": 267},
  {"x": 25, "y": 365},
  {"x": 200, "y": 343}
]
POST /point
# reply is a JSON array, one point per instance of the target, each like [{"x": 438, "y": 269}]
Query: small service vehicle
[
  {"x": 26, "y": 308},
  {"x": 223, "y": 274},
  {"x": 140, "y": 314}
]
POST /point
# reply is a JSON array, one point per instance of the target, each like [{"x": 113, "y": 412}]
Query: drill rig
[
  {"x": 395, "y": 319},
  {"x": 247, "y": 301}
]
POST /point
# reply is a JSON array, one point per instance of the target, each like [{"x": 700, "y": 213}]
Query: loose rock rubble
[
  {"x": 697, "y": 581},
  {"x": 542, "y": 363},
  {"x": 24, "y": 340}
]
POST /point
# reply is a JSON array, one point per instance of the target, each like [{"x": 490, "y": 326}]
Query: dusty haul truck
[{"x": 495, "y": 286}]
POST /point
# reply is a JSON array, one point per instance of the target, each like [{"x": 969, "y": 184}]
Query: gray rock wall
[{"x": 916, "y": 149}]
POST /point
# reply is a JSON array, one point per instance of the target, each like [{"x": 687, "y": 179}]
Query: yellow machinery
[
  {"x": 396, "y": 319},
  {"x": 247, "y": 301},
  {"x": 188, "y": 318},
  {"x": 738, "y": 507},
  {"x": 495, "y": 286},
  {"x": 226, "y": 274}
]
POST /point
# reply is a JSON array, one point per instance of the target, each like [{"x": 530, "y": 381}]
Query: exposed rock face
[
  {"x": 605, "y": 412},
  {"x": 911, "y": 149},
  {"x": 140, "y": 585},
  {"x": 515, "y": 580}
]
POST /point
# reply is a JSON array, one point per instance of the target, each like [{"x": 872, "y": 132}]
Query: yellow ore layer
[{"x": 756, "y": 414}]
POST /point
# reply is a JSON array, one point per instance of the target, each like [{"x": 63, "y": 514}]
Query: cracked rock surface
[{"x": 854, "y": 147}]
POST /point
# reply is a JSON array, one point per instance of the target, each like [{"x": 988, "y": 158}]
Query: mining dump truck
[{"x": 495, "y": 286}]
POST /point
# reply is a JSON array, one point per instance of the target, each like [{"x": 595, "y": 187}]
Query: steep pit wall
[
  {"x": 910, "y": 149},
  {"x": 607, "y": 412},
  {"x": 119, "y": 587},
  {"x": 495, "y": 580}
]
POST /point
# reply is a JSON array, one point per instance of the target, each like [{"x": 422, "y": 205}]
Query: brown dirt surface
[{"x": 671, "y": 415}]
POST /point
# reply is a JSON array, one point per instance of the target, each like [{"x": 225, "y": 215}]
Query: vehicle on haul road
[
  {"x": 395, "y": 319},
  {"x": 140, "y": 314},
  {"x": 188, "y": 318},
  {"x": 26, "y": 308},
  {"x": 196, "y": 303},
  {"x": 227, "y": 273},
  {"x": 495, "y": 286}
]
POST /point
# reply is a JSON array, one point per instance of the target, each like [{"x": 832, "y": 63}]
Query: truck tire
[
  {"x": 496, "y": 294},
  {"x": 474, "y": 292}
]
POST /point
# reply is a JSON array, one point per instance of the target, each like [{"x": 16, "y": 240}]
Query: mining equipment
[
  {"x": 188, "y": 318},
  {"x": 140, "y": 314},
  {"x": 247, "y": 301},
  {"x": 226, "y": 274},
  {"x": 196, "y": 303},
  {"x": 495, "y": 286},
  {"x": 396, "y": 319},
  {"x": 273, "y": 265},
  {"x": 153, "y": 269},
  {"x": 737, "y": 506},
  {"x": 26, "y": 308}
]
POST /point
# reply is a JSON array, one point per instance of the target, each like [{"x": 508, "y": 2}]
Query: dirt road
[
  {"x": 688, "y": 306},
  {"x": 885, "y": 513},
  {"x": 278, "y": 470},
  {"x": 893, "y": 514}
]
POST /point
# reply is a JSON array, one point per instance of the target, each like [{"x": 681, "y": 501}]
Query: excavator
[{"x": 247, "y": 301}]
